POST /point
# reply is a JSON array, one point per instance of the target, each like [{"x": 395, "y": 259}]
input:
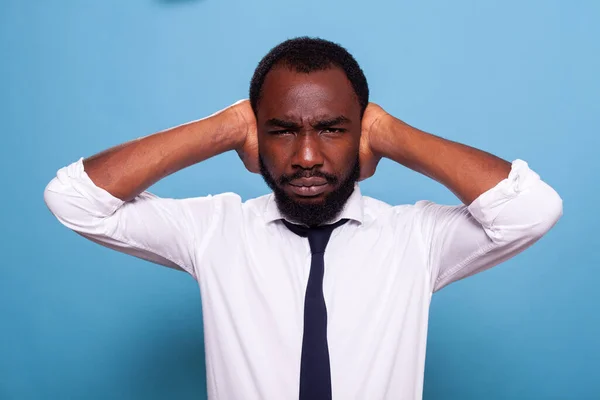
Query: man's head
[{"x": 309, "y": 96}]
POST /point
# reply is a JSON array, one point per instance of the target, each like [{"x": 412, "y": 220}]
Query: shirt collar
[{"x": 353, "y": 209}]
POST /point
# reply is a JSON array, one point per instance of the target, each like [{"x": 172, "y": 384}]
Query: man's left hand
[{"x": 369, "y": 155}]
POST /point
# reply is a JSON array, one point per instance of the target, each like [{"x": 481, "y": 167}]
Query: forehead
[{"x": 299, "y": 96}]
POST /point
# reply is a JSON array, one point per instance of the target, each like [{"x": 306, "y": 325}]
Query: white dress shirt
[{"x": 381, "y": 269}]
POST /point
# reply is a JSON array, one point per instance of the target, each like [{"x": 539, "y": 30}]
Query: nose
[{"x": 308, "y": 153}]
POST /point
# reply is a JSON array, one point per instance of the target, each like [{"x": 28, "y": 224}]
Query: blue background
[{"x": 517, "y": 78}]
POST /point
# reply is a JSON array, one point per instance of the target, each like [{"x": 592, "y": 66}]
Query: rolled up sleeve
[
  {"x": 161, "y": 230},
  {"x": 499, "y": 224}
]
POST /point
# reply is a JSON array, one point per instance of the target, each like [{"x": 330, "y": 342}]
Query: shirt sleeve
[
  {"x": 462, "y": 241},
  {"x": 161, "y": 230}
]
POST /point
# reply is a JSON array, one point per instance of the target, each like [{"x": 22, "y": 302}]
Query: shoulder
[
  {"x": 232, "y": 205},
  {"x": 227, "y": 202},
  {"x": 377, "y": 210}
]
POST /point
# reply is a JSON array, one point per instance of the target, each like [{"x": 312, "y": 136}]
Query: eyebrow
[
  {"x": 328, "y": 123},
  {"x": 320, "y": 124},
  {"x": 276, "y": 122}
]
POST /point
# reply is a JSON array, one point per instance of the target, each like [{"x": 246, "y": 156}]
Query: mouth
[{"x": 308, "y": 187}]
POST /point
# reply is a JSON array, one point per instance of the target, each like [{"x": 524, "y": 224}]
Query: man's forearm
[
  {"x": 130, "y": 168},
  {"x": 466, "y": 171}
]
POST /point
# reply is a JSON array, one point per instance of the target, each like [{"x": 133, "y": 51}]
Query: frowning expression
[{"x": 309, "y": 134}]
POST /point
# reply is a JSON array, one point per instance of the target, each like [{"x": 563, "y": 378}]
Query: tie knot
[{"x": 318, "y": 236}]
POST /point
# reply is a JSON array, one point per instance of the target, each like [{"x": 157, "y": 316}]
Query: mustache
[{"x": 285, "y": 179}]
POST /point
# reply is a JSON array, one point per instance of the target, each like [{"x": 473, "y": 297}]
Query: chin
[{"x": 315, "y": 200}]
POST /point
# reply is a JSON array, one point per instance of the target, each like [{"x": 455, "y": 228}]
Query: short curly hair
[{"x": 305, "y": 55}]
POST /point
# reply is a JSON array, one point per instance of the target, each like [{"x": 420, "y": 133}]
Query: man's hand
[
  {"x": 248, "y": 140},
  {"x": 369, "y": 155}
]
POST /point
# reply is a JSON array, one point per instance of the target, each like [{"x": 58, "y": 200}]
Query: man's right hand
[{"x": 248, "y": 140}]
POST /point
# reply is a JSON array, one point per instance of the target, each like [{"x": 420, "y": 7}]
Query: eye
[
  {"x": 281, "y": 132},
  {"x": 333, "y": 130}
]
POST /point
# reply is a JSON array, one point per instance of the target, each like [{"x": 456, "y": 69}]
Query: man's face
[{"x": 309, "y": 136}]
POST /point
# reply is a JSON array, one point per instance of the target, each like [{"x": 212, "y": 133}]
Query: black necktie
[{"x": 315, "y": 375}]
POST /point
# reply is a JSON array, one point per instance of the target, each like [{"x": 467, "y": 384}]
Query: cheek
[
  {"x": 276, "y": 149},
  {"x": 343, "y": 156},
  {"x": 273, "y": 157}
]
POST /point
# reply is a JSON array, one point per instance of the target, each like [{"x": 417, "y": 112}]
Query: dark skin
[
  {"x": 308, "y": 122},
  {"x": 465, "y": 170},
  {"x": 305, "y": 100}
]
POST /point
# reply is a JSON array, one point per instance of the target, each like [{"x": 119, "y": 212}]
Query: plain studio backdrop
[{"x": 516, "y": 78}]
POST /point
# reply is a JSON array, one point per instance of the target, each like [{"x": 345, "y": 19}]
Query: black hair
[{"x": 305, "y": 55}]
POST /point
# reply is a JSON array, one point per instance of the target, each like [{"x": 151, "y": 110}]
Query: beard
[{"x": 311, "y": 214}]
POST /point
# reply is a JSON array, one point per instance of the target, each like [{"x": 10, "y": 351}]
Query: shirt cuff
[
  {"x": 490, "y": 204},
  {"x": 102, "y": 201}
]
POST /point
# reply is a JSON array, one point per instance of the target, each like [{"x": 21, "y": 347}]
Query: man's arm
[
  {"x": 103, "y": 198},
  {"x": 466, "y": 171},
  {"x": 507, "y": 206},
  {"x": 130, "y": 168}
]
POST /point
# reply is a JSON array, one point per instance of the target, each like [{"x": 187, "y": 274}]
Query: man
[{"x": 342, "y": 314}]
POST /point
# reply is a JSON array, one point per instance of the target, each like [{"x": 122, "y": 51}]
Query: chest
[{"x": 367, "y": 271}]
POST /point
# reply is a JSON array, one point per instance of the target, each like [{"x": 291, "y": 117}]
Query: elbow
[
  {"x": 77, "y": 203},
  {"x": 52, "y": 197},
  {"x": 556, "y": 207},
  {"x": 68, "y": 206},
  {"x": 62, "y": 204},
  {"x": 549, "y": 211}
]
